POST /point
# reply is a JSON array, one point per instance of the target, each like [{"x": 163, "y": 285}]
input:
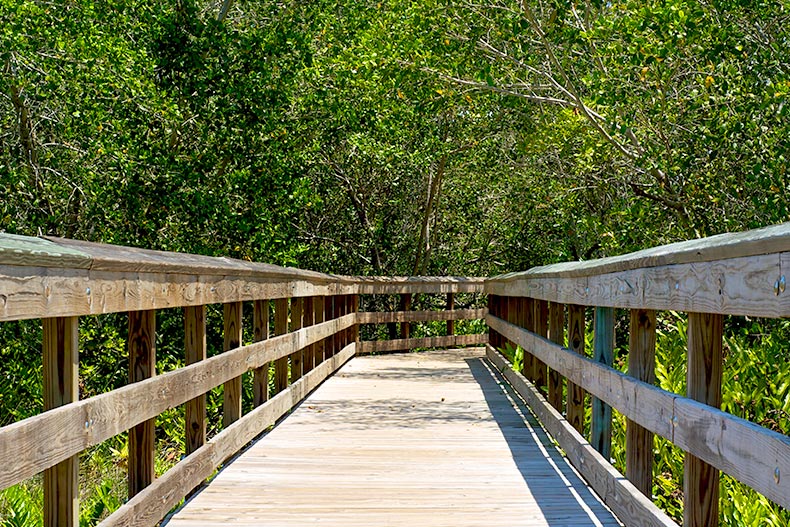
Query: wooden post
[
  {"x": 557, "y": 335},
  {"x": 231, "y": 391},
  {"x": 195, "y": 351},
  {"x": 492, "y": 310},
  {"x": 61, "y": 367},
  {"x": 260, "y": 376},
  {"x": 451, "y": 307},
  {"x": 540, "y": 322},
  {"x": 603, "y": 352},
  {"x": 297, "y": 310},
  {"x": 405, "y": 305},
  {"x": 339, "y": 311},
  {"x": 355, "y": 309},
  {"x": 329, "y": 314},
  {"x": 318, "y": 317},
  {"x": 528, "y": 310},
  {"x": 641, "y": 365},
  {"x": 576, "y": 394},
  {"x": 280, "y": 328},
  {"x": 308, "y": 319},
  {"x": 142, "y": 364},
  {"x": 703, "y": 384}
]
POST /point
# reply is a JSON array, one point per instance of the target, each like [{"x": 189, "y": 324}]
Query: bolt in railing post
[
  {"x": 195, "y": 351},
  {"x": 703, "y": 384},
  {"x": 61, "y": 366},
  {"x": 142, "y": 364},
  {"x": 641, "y": 365},
  {"x": 603, "y": 352},
  {"x": 576, "y": 394}
]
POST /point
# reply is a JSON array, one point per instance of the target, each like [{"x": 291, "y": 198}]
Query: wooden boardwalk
[{"x": 431, "y": 439}]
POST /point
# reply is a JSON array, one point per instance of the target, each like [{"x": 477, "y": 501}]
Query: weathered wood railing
[
  {"x": 316, "y": 330},
  {"x": 738, "y": 274}
]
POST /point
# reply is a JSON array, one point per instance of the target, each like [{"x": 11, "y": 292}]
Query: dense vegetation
[{"x": 391, "y": 137}]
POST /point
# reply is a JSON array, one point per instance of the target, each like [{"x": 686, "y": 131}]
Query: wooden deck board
[{"x": 406, "y": 439}]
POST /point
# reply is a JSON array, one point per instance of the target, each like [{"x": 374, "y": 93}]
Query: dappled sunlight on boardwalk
[{"x": 407, "y": 439}]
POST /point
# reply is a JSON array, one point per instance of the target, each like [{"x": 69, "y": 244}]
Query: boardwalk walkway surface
[{"x": 429, "y": 439}]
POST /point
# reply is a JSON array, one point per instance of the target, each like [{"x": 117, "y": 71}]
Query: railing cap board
[
  {"x": 774, "y": 239},
  {"x": 39, "y": 252}
]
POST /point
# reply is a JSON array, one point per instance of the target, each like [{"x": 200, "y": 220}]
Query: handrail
[
  {"x": 316, "y": 330},
  {"x": 740, "y": 274}
]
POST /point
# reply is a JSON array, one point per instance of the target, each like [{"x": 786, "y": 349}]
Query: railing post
[
  {"x": 280, "y": 328},
  {"x": 603, "y": 352},
  {"x": 355, "y": 309},
  {"x": 492, "y": 310},
  {"x": 195, "y": 351},
  {"x": 308, "y": 316},
  {"x": 576, "y": 394},
  {"x": 142, "y": 364},
  {"x": 231, "y": 391},
  {"x": 297, "y": 309},
  {"x": 540, "y": 320},
  {"x": 703, "y": 384},
  {"x": 405, "y": 305},
  {"x": 641, "y": 365},
  {"x": 528, "y": 323},
  {"x": 332, "y": 307},
  {"x": 319, "y": 349},
  {"x": 557, "y": 335},
  {"x": 61, "y": 366},
  {"x": 451, "y": 307},
  {"x": 260, "y": 376}
]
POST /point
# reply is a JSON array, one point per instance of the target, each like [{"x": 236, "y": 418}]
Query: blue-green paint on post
[{"x": 603, "y": 352}]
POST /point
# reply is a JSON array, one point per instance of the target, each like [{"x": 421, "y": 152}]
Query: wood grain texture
[
  {"x": 195, "y": 351},
  {"x": 641, "y": 366},
  {"x": 148, "y": 507},
  {"x": 25, "y": 250},
  {"x": 385, "y": 317},
  {"x": 603, "y": 352},
  {"x": 260, "y": 375},
  {"x": 74, "y": 427},
  {"x": 703, "y": 384},
  {"x": 379, "y": 346},
  {"x": 557, "y": 335},
  {"x": 61, "y": 386},
  {"x": 736, "y": 286},
  {"x": 280, "y": 328},
  {"x": 308, "y": 319},
  {"x": 576, "y": 394},
  {"x": 377, "y": 445},
  {"x": 232, "y": 335},
  {"x": 319, "y": 348},
  {"x": 630, "y": 506},
  {"x": 142, "y": 366},
  {"x": 297, "y": 320}
]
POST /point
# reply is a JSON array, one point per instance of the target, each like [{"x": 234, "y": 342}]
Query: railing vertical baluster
[
  {"x": 260, "y": 376},
  {"x": 603, "y": 352},
  {"x": 319, "y": 305},
  {"x": 297, "y": 311},
  {"x": 541, "y": 327},
  {"x": 308, "y": 319},
  {"x": 528, "y": 368},
  {"x": 280, "y": 328},
  {"x": 451, "y": 307},
  {"x": 332, "y": 307},
  {"x": 641, "y": 365},
  {"x": 142, "y": 365},
  {"x": 61, "y": 366},
  {"x": 557, "y": 335},
  {"x": 703, "y": 384},
  {"x": 355, "y": 330},
  {"x": 405, "y": 305},
  {"x": 195, "y": 351},
  {"x": 576, "y": 394},
  {"x": 493, "y": 336},
  {"x": 231, "y": 391}
]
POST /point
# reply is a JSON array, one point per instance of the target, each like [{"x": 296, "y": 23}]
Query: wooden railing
[
  {"x": 737, "y": 274},
  {"x": 316, "y": 330}
]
